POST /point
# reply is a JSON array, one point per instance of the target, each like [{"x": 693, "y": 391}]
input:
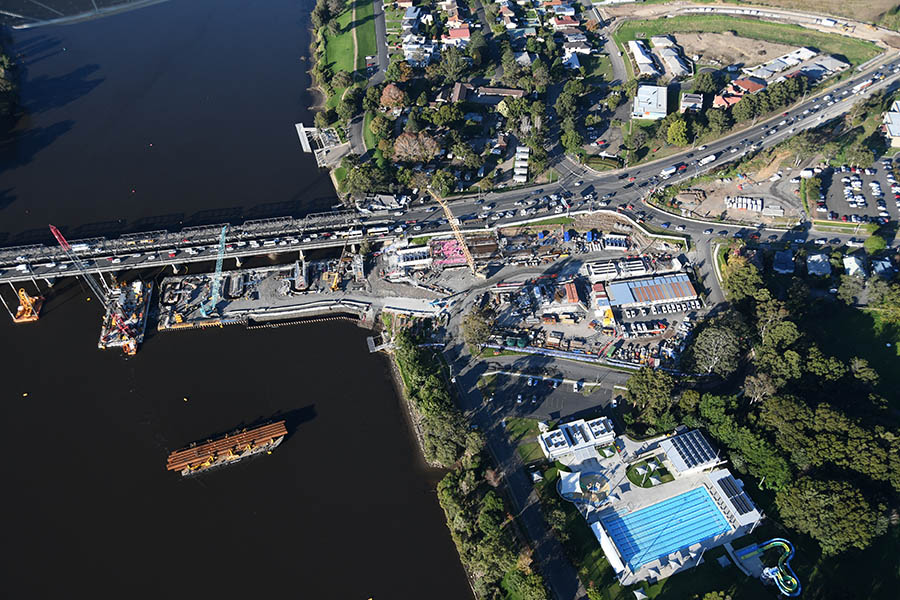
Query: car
[
  {"x": 665, "y": 225},
  {"x": 733, "y": 150},
  {"x": 680, "y": 228},
  {"x": 738, "y": 235},
  {"x": 773, "y": 237},
  {"x": 519, "y": 399},
  {"x": 707, "y": 232},
  {"x": 701, "y": 148}
]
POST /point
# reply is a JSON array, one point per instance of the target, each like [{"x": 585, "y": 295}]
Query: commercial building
[
  {"x": 650, "y": 102},
  {"x": 892, "y": 124},
  {"x": 651, "y": 290},
  {"x": 688, "y": 453},
  {"x": 577, "y": 436}
]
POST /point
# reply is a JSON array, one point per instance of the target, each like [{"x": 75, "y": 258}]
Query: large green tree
[
  {"x": 834, "y": 513},
  {"x": 741, "y": 278},
  {"x": 650, "y": 390}
]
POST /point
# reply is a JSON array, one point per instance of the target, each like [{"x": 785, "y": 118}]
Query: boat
[{"x": 227, "y": 449}]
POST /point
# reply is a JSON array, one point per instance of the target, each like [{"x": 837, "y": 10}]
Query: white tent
[
  {"x": 655, "y": 480},
  {"x": 639, "y": 594},
  {"x": 641, "y": 470},
  {"x": 608, "y": 547},
  {"x": 569, "y": 483}
]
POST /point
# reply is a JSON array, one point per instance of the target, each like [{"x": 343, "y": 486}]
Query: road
[{"x": 380, "y": 43}]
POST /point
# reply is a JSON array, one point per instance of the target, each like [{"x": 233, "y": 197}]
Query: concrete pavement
[{"x": 380, "y": 44}]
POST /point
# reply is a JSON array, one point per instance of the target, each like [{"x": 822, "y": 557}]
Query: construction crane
[
  {"x": 216, "y": 284},
  {"x": 29, "y": 307},
  {"x": 130, "y": 344},
  {"x": 454, "y": 225},
  {"x": 102, "y": 294}
]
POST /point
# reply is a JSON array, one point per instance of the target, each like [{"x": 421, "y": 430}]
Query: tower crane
[
  {"x": 216, "y": 284},
  {"x": 102, "y": 295},
  {"x": 454, "y": 225}
]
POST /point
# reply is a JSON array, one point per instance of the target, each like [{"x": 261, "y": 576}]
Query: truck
[
  {"x": 861, "y": 86},
  {"x": 668, "y": 172},
  {"x": 707, "y": 159}
]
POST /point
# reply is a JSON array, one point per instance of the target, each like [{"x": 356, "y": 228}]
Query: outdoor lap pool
[{"x": 662, "y": 528}]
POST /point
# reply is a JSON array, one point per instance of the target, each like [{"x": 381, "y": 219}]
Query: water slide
[{"x": 782, "y": 574}]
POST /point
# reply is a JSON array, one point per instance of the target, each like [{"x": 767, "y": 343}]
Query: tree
[
  {"x": 412, "y": 123},
  {"x": 476, "y": 327},
  {"x": 393, "y": 96},
  {"x": 758, "y": 387},
  {"x": 677, "y": 132},
  {"x": 414, "y": 147},
  {"x": 372, "y": 100},
  {"x": 442, "y": 182},
  {"x": 452, "y": 64},
  {"x": 422, "y": 100},
  {"x": 824, "y": 368},
  {"x": 716, "y": 349},
  {"x": 380, "y": 126},
  {"x": 705, "y": 83},
  {"x": 862, "y": 371},
  {"x": 342, "y": 79},
  {"x": 399, "y": 70},
  {"x": 689, "y": 401},
  {"x": 850, "y": 289},
  {"x": 540, "y": 75},
  {"x": 527, "y": 586},
  {"x": 650, "y": 390},
  {"x": 718, "y": 120},
  {"x": 834, "y": 513},
  {"x": 859, "y": 155},
  {"x": 741, "y": 278},
  {"x": 874, "y": 244},
  {"x": 747, "y": 108},
  {"x": 447, "y": 114}
]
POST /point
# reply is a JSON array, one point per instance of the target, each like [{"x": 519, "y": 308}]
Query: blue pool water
[{"x": 662, "y": 528}]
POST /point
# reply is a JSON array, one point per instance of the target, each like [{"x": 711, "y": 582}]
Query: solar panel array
[
  {"x": 693, "y": 449},
  {"x": 736, "y": 495}
]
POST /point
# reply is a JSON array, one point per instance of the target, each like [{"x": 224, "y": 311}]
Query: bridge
[{"x": 194, "y": 244}]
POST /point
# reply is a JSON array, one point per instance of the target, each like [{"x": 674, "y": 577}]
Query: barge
[
  {"x": 125, "y": 321},
  {"x": 228, "y": 449}
]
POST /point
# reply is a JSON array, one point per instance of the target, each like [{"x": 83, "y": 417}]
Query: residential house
[
  {"x": 526, "y": 59},
  {"x": 749, "y": 85},
  {"x": 461, "y": 92},
  {"x": 518, "y": 36},
  {"x": 563, "y": 10},
  {"x": 642, "y": 58},
  {"x": 784, "y": 262},
  {"x": 650, "y": 102},
  {"x": 674, "y": 61},
  {"x": 691, "y": 102},
  {"x": 662, "y": 41},
  {"x": 563, "y": 22},
  {"x": 510, "y": 22},
  {"x": 854, "y": 265},
  {"x": 732, "y": 93},
  {"x": 411, "y": 19},
  {"x": 404, "y": 4},
  {"x": 419, "y": 51},
  {"x": 570, "y": 61},
  {"x": 818, "y": 265},
  {"x": 573, "y": 34},
  {"x": 576, "y": 48},
  {"x": 458, "y": 37}
]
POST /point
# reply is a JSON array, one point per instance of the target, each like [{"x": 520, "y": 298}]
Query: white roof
[
  {"x": 569, "y": 483},
  {"x": 650, "y": 99},
  {"x": 818, "y": 264},
  {"x": 609, "y": 549},
  {"x": 853, "y": 265}
]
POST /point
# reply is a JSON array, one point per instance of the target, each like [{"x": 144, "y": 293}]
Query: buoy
[
  {"x": 185, "y": 398},
  {"x": 25, "y": 395},
  {"x": 88, "y": 298},
  {"x": 132, "y": 191}
]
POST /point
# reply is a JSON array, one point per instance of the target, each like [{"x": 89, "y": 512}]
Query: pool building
[{"x": 690, "y": 504}]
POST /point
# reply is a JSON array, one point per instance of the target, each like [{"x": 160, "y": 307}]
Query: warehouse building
[{"x": 651, "y": 290}]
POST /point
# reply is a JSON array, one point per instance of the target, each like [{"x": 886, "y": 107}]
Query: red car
[
  {"x": 631, "y": 178},
  {"x": 844, "y": 218}
]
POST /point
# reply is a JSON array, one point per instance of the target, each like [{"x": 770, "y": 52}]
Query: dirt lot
[
  {"x": 862, "y": 10},
  {"x": 756, "y": 185},
  {"x": 727, "y": 48}
]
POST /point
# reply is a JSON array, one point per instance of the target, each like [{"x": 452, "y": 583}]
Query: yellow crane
[
  {"x": 454, "y": 225},
  {"x": 29, "y": 307}
]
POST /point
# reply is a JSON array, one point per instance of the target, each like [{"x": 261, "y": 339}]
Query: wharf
[{"x": 252, "y": 297}]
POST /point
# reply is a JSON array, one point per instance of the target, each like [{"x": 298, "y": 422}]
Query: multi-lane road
[{"x": 626, "y": 187}]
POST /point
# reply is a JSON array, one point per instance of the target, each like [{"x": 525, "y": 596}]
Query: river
[{"x": 344, "y": 508}]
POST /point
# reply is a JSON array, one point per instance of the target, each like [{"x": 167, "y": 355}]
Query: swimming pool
[{"x": 662, "y": 528}]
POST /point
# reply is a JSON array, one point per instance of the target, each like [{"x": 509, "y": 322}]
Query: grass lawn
[
  {"x": 856, "y": 51},
  {"x": 368, "y": 136},
  {"x": 847, "y": 332},
  {"x": 522, "y": 434},
  {"x": 340, "y": 175},
  {"x": 339, "y": 48},
  {"x": 644, "y": 480},
  {"x": 365, "y": 32},
  {"x": 556, "y": 221}
]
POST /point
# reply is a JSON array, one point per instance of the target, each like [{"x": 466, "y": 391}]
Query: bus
[{"x": 706, "y": 160}]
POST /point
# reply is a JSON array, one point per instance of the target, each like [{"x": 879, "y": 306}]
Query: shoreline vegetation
[
  {"x": 498, "y": 563},
  {"x": 7, "y": 82}
]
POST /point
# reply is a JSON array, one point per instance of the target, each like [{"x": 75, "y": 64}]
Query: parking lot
[
  {"x": 545, "y": 397},
  {"x": 859, "y": 195}
]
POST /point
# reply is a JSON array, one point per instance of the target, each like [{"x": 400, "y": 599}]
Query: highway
[{"x": 626, "y": 187}]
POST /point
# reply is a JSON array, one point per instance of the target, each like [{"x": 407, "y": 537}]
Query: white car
[{"x": 707, "y": 232}]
